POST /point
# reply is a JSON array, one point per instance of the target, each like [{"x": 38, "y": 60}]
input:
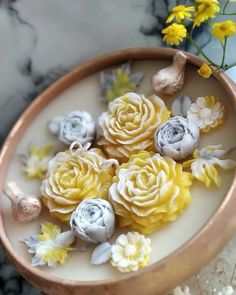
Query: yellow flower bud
[{"x": 205, "y": 71}]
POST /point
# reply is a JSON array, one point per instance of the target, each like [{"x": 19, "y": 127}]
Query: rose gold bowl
[{"x": 158, "y": 277}]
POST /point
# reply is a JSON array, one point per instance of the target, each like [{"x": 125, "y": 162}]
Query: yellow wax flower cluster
[
  {"x": 35, "y": 163},
  {"x": 206, "y": 162},
  {"x": 73, "y": 176},
  {"x": 119, "y": 82},
  {"x": 149, "y": 191},
  {"x": 202, "y": 12},
  {"x": 51, "y": 246}
]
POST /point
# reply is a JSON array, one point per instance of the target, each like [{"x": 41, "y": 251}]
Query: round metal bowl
[{"x": 162, "y": 275}]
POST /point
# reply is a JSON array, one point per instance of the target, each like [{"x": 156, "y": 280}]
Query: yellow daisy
[
  {"x": 223, "y": 29},
  {"x": 205, "y": 71},
  {"x": 205, "y": 9},
  {"x": 180, "y": 12},
  {"x": 174, "y": 34}
]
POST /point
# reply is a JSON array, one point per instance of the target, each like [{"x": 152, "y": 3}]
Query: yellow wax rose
[
  {"x": 149, "y": 191},
  {"x": 73, "y": 176},
  {"x": 129, "y": 125}
]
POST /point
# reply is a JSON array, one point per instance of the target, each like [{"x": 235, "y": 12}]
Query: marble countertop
[{"x": 42, "y": 40}]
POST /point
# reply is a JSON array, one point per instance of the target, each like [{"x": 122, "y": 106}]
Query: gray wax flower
[
  {"x": 93, "y": 221},
  {"x": 177, "y": 138},
  {"x": 76, "y": 126}
]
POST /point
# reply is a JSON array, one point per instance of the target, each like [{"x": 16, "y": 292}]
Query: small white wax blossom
[
  {"x": 76, "y": 126},
  {"x": 205, "y": 162},
  {"x": 130, "y": 252},
  {"x": 177, "y": 138},
  {"x": 51, "y": 246},
  {"x": 207, "y": 112},
  {"x": 93, "y": 221}
]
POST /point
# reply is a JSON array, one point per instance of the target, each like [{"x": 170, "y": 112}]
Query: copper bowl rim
[{"x": 189, "y": 249}]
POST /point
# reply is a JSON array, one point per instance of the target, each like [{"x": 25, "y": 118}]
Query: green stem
[
  {"x": 224, "y": 7},
  {"x": 227, "y": 13},
  {"x": 227, "y": 67},
  {"x": 224, "y": 52},
  {"x": 201, "y": 51},
  {"x": 191, "y": 32}
]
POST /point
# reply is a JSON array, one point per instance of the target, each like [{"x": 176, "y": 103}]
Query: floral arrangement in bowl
[
  {"x": 128, "y": 173},
  {"x": 138, "y": 178}
]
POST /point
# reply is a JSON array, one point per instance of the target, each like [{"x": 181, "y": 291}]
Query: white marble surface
[{"x": 41, "y": 40}]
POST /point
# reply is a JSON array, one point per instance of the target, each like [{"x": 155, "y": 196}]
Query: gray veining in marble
[{"x": 43, "y": 39}]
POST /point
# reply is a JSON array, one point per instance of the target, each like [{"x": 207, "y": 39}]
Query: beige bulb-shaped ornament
[
  {"x": 170, "y": 79},
  {"x": 25, "y": 207}
]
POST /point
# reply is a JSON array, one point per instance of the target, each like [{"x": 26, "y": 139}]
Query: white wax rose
[
  {"x": 93, "y": 221},
  {"x": 76, "y": 126},
  {"x": 177, "y": 138}
]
